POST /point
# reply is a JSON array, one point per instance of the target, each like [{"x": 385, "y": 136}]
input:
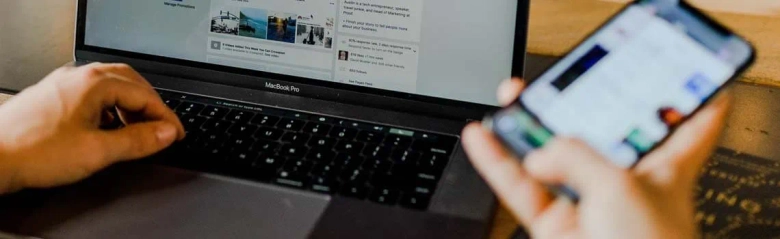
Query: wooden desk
[{"x": 557, "y": 25}]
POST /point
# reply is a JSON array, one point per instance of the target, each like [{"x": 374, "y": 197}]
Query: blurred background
[{"x": 556, "y": 25}]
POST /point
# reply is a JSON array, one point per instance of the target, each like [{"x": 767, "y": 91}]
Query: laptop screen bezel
[{"x": 93, "y": 53}]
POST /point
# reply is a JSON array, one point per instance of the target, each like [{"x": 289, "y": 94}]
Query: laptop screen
[{"x": 452, "y": 49}]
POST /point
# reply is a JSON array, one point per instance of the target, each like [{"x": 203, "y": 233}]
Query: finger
[
  {"x": 132, "y": 98},
  {"x": 678, "y": 161},
  {"x": 559, "y": 218},
  {"x": 122, "y": 71},
  {"x": 107, "y": 118},
  {"x": 571, "y": 163},
  {"x": 522, "y": 195},
  {"x": 509, "y": 90},
  {"x": 126, "y": 73},
  {"x": 137, "y": 140}
]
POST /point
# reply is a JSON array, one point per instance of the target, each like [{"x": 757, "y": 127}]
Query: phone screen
[{"x": 629, "y": 85}]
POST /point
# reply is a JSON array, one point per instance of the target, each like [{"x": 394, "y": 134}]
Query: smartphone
[{"x": 629, "y": 85}]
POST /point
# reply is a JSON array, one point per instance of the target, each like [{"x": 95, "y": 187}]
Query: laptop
[{"x": 305, "y": 119}]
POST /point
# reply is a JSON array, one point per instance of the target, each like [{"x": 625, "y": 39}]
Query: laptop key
[
  {"x": 398, "y": 141},
  {"x": 370, "y": 137},
  {"x": 297, "y": 115},
  {"x": 192, "y": 122},
  {"x": 425, "y": 178},
  {"x": 349, "y": 147},
  {"x": 214, "y": 112},
  {"x": 343, "y": 134},
  {"x": 323, "y": 156},
  {"x": 324, "y": 170},
  {"x": 191, "y": 108},
  {"x": 171, "y": 103},
  {"x": 293, "y": 151},
  {"x": 290, "y": 179},
  {"x": 376, "y": 151},
  {"x": 265, "y": 120},
  {"x": 348, "y": 161},
  {"x": 291, "y": 124},
  {"x": 323, "y": 184},
  {"x": 180, "y": 114},
  {"x": 377, "y": 164},
  {"x": 296, "y": 138},
  {"x": 212, "y": 140},
  {"x": 322, "y": 142},
  {"x": 354, "y": 176},
  {"x": 385, "y": 196},
  {"x": 298, "y": 165},
  {"x": 432, "y": 162},
  {"x": 265, "y": 146},
  {"x": 216, "y": 125},
  {"x": 240, "y": 143},
  {"x": 243, "y": 158},
  {"x": 349, "y": 124},
  {"x": 238, "y": 116},
  {"x": 317, "y": 129},
  {"x": 321, "y": 119},
  {"x": 422, "y": 189},
  {"x": 442, "y": 146},
  {"x": 399, "y": 177},
  {"x": 267, "y": 165},
  {"x": 215, "y": 152},
  {"x": 242, "y": 130},
  {"x": 405, "y": 157},
  {"x": 269, "y": 134},
  {"x": 389, "y": 178}
]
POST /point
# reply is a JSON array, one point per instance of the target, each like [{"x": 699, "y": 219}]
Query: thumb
[
  {"x": 574, "y": 164},
  {"x": 138, "y": 140}
]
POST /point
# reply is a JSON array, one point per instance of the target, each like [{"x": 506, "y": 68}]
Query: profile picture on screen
[{"x": 343, "y": 56}]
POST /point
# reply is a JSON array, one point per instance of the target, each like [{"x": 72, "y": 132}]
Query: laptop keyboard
[{"x": 380, "y": 163}]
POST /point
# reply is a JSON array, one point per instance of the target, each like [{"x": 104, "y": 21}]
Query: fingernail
[{"x": 166, "y": 133}]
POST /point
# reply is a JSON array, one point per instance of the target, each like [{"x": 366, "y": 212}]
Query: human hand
[
  {"x": 653, "y": 200},
  {"x": 51, "y": 132}
]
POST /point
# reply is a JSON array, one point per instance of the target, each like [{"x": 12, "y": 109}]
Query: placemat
[{"x": 738, "y": 196}]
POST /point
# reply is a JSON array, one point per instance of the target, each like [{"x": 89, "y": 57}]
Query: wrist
[{"x": 7, "y": 172}]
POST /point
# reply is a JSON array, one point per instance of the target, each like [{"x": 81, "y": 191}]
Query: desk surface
[
  {"x": 34, "y": 44},
  {"x": 558, "y": 25}
]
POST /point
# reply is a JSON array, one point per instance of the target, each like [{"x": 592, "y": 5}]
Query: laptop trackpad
[{"x": 141, "y": 201}]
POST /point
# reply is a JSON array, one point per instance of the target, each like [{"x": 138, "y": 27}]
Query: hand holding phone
[
  {"x": 654, "y": 200},
  {"x": 628, "y": 86},
  {"x": 643, "y": 86}
]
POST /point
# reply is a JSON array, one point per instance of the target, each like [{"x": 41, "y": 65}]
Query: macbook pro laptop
[{"x": 305, "y": 118}]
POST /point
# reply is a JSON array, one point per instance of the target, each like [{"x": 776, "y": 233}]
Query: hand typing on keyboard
[
  {"x": 653, "y": 200},
  {"x": 54, "y": 132}
]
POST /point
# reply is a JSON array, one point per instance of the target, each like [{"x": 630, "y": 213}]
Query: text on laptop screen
[{"x": 457, "y": 50}]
